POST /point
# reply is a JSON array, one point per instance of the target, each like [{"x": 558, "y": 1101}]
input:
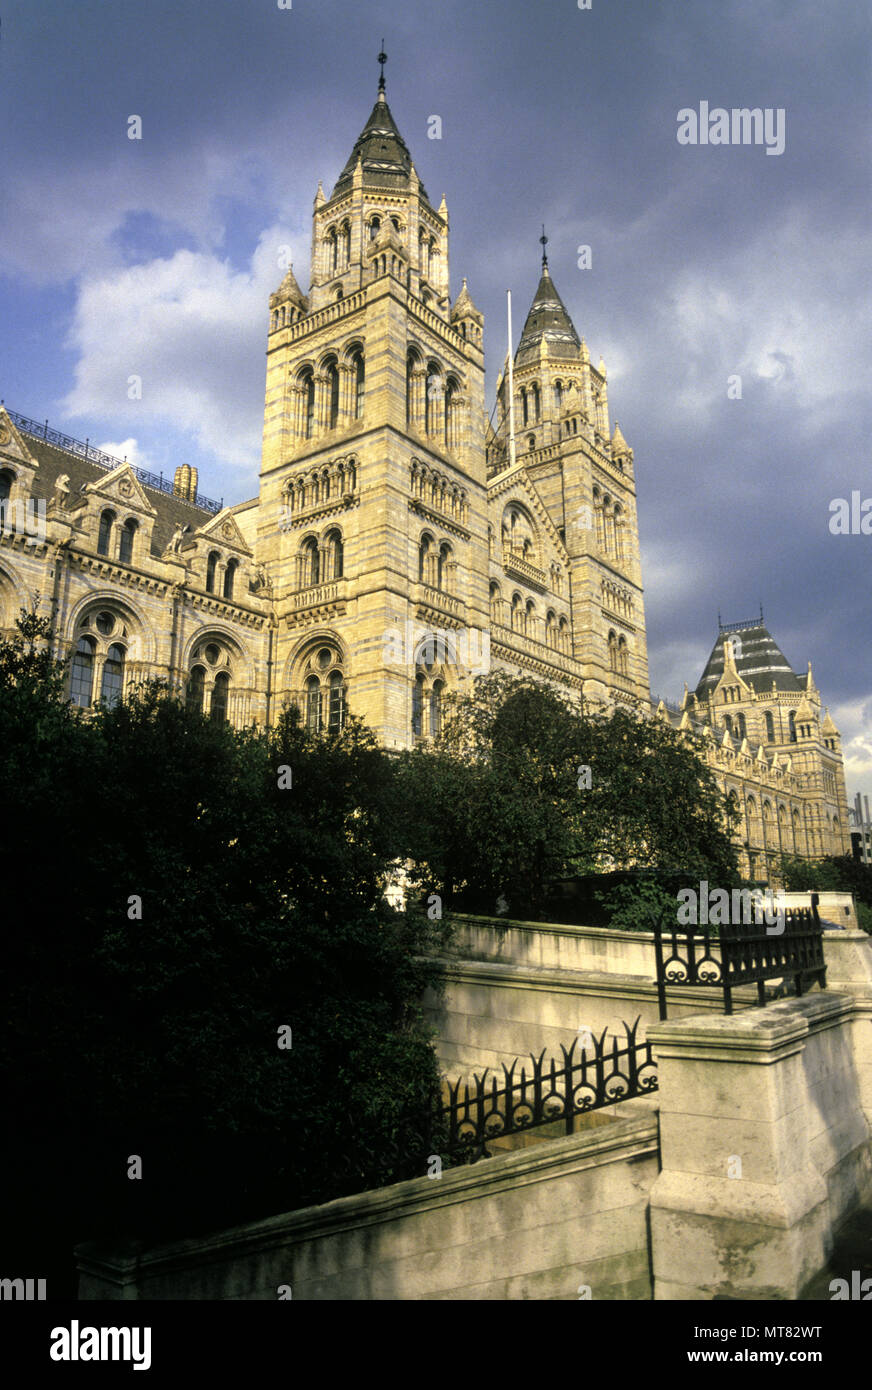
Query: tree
[
  {"x": 207, "y": 976},
  {"x": 833, "y": 874},
  {"x": 524, "y": 787}
]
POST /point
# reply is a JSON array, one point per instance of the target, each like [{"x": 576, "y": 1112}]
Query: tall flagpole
[{"x": 511, "y": 387}]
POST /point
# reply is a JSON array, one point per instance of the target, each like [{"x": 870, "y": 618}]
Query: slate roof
[
  {"x": 386, "y": 159},
  {"x": 547, "y": 320},
  {"x": 171, "y": 511},
  {"x": 760, "y": 662}
]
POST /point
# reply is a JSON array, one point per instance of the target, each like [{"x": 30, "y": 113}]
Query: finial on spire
[
  {"x": 383, "y": 58},
  {"x": 543, "y": 240},
  {"x": 761, "y": 612}
]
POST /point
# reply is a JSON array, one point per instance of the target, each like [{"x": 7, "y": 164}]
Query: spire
[
  {"x": 380, "y": 147},
  {"x": 464, "y": 307},
  {"x": 620, "y": 446},
  {"x": 548, "y": 324}
]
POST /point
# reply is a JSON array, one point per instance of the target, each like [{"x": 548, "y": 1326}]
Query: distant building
[{"x": 775, "y": 752}]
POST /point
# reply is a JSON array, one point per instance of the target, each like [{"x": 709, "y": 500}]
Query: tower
[
  {"x": 372, "y": 521},
  {"x": 584, "y": 476}
]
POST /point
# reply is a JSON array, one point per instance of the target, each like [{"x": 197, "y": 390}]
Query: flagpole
[{"x": 511, "y": 386}]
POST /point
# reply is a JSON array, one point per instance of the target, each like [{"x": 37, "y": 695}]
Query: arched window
[
  {"x": 82, "y": 673},
  {"x": 623, "y": 657},
  {"x": 550, "y": 629},
  {"x": 534, "y": 399},
  {"x": 334, "y": 555},
  {"x": 525, "y": 410},
  {"x": 530, "y": 619},
  {"x": 740, "y": 726},
  {"x": 770, "y": 727},
  {"x": 431, "y": 396},
  {"x": 563, "y": 636},
  {"x": 337, "y": 703},
  {"x": 450, "y": 411},
  {"x": 791, "y": 723},
  {"x": 311, "y": 567},
  {"x": 218, "y": 707},
  {"x": 613, "y": 652},
  {"x": 307, "y": 388},
  {"x": 229, "y": 577},
  {"x": 417, "y": 705},
  {"x": 333, "y": 394},
  {"x": 496, "y": 604},
  {"x": 125, "y": 544},
  {"x": 558, "y": 396},
  {"x": 436, "y": 709},
  {"x": 425, "y": 560},
  {"x": 211, "y": 567},
  {"x": 313, "y": 705},
  {"x": 374, "y": 228},
  {"x": 517, "y": 613},
  {"x": 113, "y": 675},
  {"x": 105, "y": 532},
  {"x": 411, "y": 363},
  {"x": 196, "y": 689},
  {"x": 359, "y": 384},
  {"x": 443, "y": 567},
  {"x": 6, "y": 480}
]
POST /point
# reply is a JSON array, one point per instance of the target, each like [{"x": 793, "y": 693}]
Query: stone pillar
[{"x": 759, "y": 1124}]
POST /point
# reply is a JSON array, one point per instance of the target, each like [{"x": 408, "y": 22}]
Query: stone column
[{"x": 748, "y": 1105}]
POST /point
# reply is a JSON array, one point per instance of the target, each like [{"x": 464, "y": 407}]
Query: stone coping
[{"x": 633, "y": 1136}]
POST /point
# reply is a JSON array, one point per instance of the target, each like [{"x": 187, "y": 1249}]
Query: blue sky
[{"x": 156, "y": 257}]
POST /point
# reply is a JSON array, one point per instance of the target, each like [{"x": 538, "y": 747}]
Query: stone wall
[{"x": 531, "y": 1224}]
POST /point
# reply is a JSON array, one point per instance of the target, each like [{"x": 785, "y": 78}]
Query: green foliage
[
  {"x": 261, "y": 907},
  {"x": 832, "y": 874},
  {"x": 499, "y": 808},
  {"x": 634, "y": 906}
]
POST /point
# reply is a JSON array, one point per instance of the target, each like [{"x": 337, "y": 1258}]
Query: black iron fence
[
  {"x": 85, "y": 449},
  {"x": 595, "y": 1073},
  {"x": 790, "y": 950}
]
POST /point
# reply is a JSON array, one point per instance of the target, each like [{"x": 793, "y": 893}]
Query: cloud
[
  {"x": 189, "y": 333},
  {"x": 126, "y": 449},
  {"x": 853, "y": 719}
]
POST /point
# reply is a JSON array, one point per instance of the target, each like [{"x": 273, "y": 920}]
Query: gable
[{"x": 122, "y": 487}]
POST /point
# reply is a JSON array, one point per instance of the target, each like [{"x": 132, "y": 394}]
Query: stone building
[
  {"x": 399, "y": 543},
  {"x": 774, "y": 753}
]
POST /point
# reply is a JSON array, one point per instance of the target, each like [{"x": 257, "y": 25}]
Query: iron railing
[
  {"x": 742, "y": 954},
  {"x": 602, "y": 1074},
  {"x": 85, "y": 449}
]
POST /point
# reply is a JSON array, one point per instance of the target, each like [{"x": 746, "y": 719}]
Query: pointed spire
[
  {"x": 602, "y": 367},
  {"x": 619, "y": 443},
  {"x": 319, "y": 196},
  {"x": 380, "y": 147},
  {"x": 548, "y": 330},
  {"x": 443, "y": 207},
  {"x": 464, "y": 307},
  {"x": 828, "y": 727}
]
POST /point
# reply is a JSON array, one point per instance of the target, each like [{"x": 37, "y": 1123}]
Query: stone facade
[{"x": 399, "y": 544}]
